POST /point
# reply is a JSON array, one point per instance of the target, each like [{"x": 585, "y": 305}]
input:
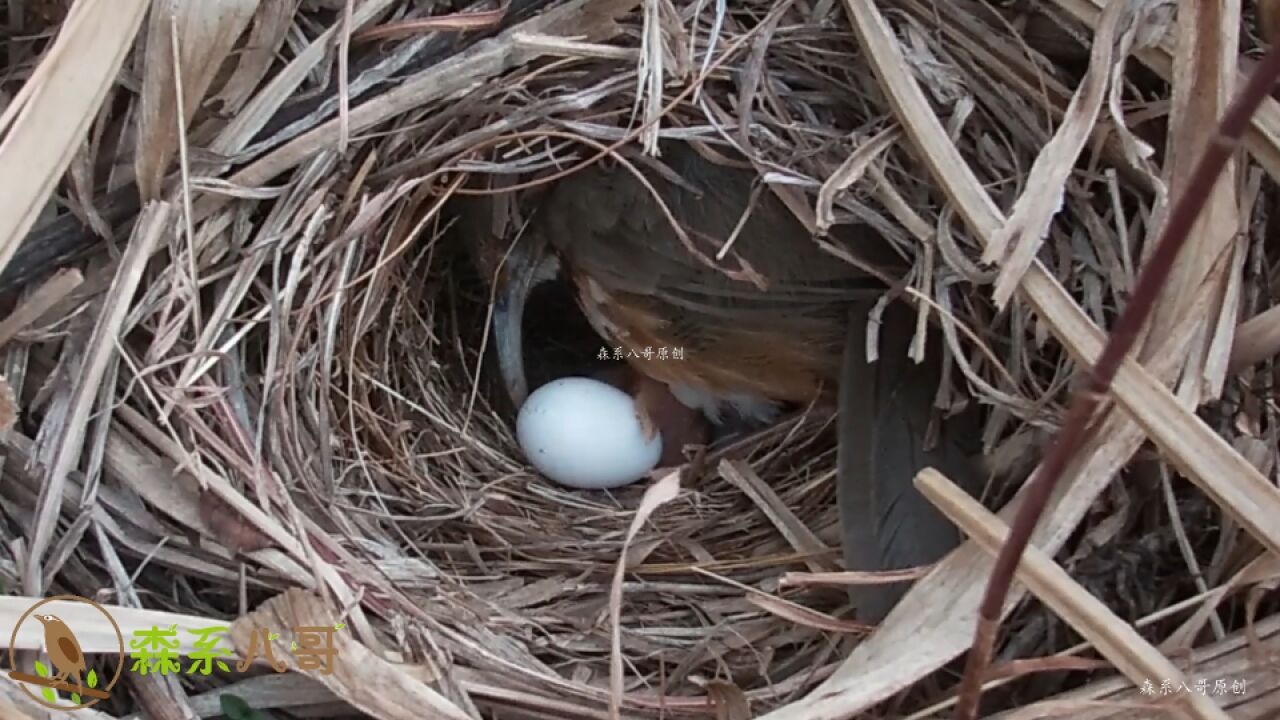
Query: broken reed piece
[
  {"x": 1076, "y": 426},
  {"x": 1257, "y": 339}
]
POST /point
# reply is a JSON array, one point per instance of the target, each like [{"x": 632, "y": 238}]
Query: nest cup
[
  {"x": 333, "y": 367},
  {"x": 522, "y": 563},
  {"x": 445, "y": 489},
  {"x": 509, "y": 560}
]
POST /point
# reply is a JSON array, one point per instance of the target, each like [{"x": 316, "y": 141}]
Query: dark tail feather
[{"x": 885, "y": 409}]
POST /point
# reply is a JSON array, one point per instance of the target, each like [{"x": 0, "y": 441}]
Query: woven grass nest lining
[{"x": 330, "y": 372}]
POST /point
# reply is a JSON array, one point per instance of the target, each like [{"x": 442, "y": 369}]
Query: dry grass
[{"x": 265, "y": 402}]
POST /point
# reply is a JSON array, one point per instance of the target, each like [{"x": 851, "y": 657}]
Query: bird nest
[{"x": 270, "y": 402}]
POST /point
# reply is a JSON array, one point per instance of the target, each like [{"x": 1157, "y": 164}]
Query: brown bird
[
  {"x": 772, "y": 330},
  {"x": 63, "y": 648}
]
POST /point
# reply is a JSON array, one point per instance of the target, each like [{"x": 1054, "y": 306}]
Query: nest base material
[{"x": 300, "y": 394}]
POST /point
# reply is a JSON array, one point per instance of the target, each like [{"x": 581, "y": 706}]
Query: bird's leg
[
  {"x": 647, "y": 402},
  {"x": 630, "y": 381},
  {"x": 660, "y": 411}
]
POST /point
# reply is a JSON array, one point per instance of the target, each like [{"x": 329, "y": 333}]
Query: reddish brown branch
[{"x": 1076, "y": 426}]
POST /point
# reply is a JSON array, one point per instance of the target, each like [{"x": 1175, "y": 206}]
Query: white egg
[{"x": 585, "y": 434}]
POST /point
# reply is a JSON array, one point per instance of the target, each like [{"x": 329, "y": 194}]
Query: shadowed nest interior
[{"x": 319, "y": 342}]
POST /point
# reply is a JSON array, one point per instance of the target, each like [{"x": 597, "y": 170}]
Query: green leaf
[
  {"x": 41, "y": 669},
  {"x": 235, "y": 708},
  {"x": 47, "y": 694},
  {"x": 91, "y": 679},
  {"x": 75, "y": 698},
  {"x": 339, "y": 626}
]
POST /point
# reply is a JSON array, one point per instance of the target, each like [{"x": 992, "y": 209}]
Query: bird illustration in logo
[{"x": 63, "y": 648}]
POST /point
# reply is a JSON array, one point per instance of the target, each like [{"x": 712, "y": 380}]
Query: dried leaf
[
  {"x": 231, "y": 529},
  {"x": 729, "y": 701},
  {"x": 657, "y": 494},
  {"x": 54, "y": 109},
  {"x": 366, "y": 681},
  {"x": 205, "y": 34},
  {"x": 1029, "y": 219}
]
